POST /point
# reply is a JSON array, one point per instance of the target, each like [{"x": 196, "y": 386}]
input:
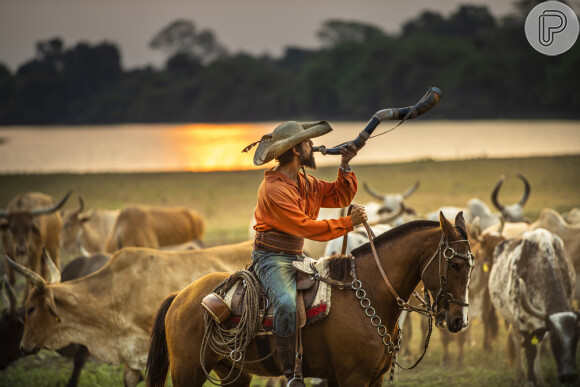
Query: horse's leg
[
  {"x": 445, "y": 339},
  {"x": 461, "y": 339},
  {"x": 131, "y": 377}
]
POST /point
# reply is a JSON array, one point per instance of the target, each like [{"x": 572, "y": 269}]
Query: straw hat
[{"x": 284, "y": 137}]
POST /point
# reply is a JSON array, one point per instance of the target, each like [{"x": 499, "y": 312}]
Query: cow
[
  {"x": 30, "y": 222},
  {"x": 111, "y": 311},
  {"x": 513, "y": 212},
  {"x": 155, "y": 227},
  {"x": 476, "y": 208},
  {"x": 12, "y": 319},
  {"x": 86, "y": 232},
  {"x": 531, "y": 285}
]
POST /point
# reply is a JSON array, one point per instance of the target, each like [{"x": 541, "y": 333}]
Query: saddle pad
[{"x": 319, "y": 309}]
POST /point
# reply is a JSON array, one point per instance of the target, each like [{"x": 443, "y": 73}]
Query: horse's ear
[
  {"x": 446, "y": 226},
  {"x": 460, "y": 222}
]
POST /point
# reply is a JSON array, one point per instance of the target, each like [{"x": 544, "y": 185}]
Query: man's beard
[{"x": 307, "y": 160}]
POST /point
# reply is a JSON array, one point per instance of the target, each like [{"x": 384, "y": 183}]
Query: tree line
[{"x": 485, "y": 67}]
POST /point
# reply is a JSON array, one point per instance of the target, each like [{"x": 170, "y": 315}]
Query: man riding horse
[{"x": 286, "y": 211}]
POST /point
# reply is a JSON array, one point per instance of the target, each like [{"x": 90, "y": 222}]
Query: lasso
[{"x": 232, "y": 343}]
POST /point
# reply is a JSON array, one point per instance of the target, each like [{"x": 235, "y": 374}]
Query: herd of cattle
[{"x": 103, "y": 302}]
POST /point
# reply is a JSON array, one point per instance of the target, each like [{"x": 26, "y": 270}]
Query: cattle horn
[
  {"x": 372, "y": 192},
  {"x": 528, "y": 307},
  {"x": 82, "y": 205},
  {"x": 32, "y": 277},
  {"x": 494, "y": 199},
  {"x": 526, "y": 193},
  {"x": 411, "y": 190},
  {"x": 52, "y": 271},
  {"x": 8, "y": 296},
  {"x": 50, "y": 209}
]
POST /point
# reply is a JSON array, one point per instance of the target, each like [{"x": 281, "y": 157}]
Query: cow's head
[
  {"x": 22, "y": 231},
  {"x": 42, "y": 320},
  {"x": 564, "y": 333},
  {"x": 392, "y": 203},
  {"x": 72, "y": 223},
  {"x": 11, "y": 326},
  {"x": 483, "y": 247},
  {"x": 515, "y": 212}
]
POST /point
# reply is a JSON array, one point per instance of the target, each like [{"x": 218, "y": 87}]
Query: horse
[{"x": 353, "y": 345}]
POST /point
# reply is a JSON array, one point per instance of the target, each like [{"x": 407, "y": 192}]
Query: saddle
[{"x": 311, "y": 292}]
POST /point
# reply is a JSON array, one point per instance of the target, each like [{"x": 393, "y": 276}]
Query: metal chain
[{"x": 376, "y": 321}]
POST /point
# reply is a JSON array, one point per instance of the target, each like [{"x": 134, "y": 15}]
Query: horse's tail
[{"x": 158, "y": 358}]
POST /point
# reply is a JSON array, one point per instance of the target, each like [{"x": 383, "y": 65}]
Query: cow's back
[
  {"x": 138, "y": 226},
  {"x": 539, "y": 258}
]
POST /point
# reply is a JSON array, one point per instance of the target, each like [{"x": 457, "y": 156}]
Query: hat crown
[{"x": 286, "y": 130}]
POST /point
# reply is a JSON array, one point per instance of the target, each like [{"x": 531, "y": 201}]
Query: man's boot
[{"x": 286, "y": 357}]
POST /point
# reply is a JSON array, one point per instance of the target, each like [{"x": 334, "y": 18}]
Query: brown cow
[
  {"x": 155, "y": 227},
  {"x": 86, "y": 232},
  {"x": 111, "y": 311},
  {"x": 31, "y": 221}
]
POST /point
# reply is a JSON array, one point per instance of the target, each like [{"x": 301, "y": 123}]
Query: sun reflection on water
[{"x": 207, "y": 147}]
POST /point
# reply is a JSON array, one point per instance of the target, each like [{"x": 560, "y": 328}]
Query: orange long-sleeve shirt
[{"x": 283, "y": 206}]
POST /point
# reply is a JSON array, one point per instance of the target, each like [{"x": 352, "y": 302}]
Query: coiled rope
[{"x": 232, "y": 343}]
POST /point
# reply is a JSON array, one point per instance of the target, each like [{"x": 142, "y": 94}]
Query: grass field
[{"x": 227, "y": 200}]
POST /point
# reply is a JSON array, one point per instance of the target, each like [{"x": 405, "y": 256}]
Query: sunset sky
[{"x": 253, "y": 26}]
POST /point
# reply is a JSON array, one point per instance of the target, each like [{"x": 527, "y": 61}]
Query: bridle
[{"x": 447, "y": 254}]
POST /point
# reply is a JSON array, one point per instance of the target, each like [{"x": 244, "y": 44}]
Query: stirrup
[{"x": 296, "y": 381}]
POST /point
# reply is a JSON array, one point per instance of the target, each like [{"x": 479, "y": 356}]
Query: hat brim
[{"x": 269, "y": 150}]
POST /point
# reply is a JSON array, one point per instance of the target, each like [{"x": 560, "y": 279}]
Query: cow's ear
[{"x": 535, "y": 337}]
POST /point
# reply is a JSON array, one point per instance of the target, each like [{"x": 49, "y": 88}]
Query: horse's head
[{"x": 446, "y": 274}]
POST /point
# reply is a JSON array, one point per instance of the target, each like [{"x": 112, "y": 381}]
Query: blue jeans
[{"x": 278, "y": 277}]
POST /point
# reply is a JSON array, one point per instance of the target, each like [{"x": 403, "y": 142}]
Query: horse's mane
[{"x": 339, "y": 267}]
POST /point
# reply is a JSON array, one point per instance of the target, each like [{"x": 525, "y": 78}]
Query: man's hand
[
  {"x": 358, "y": 215},
  {"x": 347, "y": 152}
]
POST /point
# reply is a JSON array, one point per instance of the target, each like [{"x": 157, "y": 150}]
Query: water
[{"x": 209, "y": 147}]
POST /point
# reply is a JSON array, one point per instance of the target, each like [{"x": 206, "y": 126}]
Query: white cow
[{"x": 531, "y": 285}]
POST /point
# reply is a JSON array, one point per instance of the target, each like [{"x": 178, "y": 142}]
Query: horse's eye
[
  {"x": 454, "y": 266},
  {"x": 30, "y": 310}
]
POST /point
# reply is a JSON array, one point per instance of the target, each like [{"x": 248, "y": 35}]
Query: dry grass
[{"x": 227, "y": 200}]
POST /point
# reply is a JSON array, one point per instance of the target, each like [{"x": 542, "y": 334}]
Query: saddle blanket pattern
[{"x": 320, "y": 306}]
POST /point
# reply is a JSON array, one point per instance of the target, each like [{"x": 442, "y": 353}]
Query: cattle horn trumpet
[{"x": 430, "y": 99}]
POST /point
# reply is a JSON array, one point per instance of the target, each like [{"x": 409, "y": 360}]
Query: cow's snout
[{"x": 29, "y": 351}]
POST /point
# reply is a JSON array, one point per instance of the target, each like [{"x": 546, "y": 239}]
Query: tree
[
  {"x": 181, "y": 37},
  {"x": 337, "y": 32}
]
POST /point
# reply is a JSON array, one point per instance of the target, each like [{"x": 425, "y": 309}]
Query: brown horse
[{"x": 344, "y": 348}]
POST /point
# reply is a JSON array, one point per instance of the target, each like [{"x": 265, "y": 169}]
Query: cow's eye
[
  {"x": 454, "y": 266},
  {"x": 30, "y": 310}
]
